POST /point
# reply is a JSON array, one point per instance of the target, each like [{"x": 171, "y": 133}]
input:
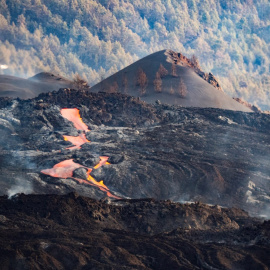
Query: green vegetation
[{"x": 96, "y": 38}]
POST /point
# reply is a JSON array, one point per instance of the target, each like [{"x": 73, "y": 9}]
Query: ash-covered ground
[
  {"x": 163, "y": 152},
  {"x": 205, "y": 156},
  {"x": 74, "y": 232}
]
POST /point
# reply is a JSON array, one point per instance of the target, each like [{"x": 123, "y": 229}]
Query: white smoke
[
  {"x": 21, "y": 187},
  {"x": 3, "y": 67}
]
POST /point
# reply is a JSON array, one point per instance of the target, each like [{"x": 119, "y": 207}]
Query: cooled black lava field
[{"x": 186, "y": 155}]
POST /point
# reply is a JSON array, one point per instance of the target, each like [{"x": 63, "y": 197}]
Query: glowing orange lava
[
  {"x": 76, "y": 141},
  {"x": 73, "y": 115},
  {"x": 63, "y": 169},
  {"x": 93, "y": 180},
  {"x": 103, "y": 161},
  {"x": 66, "y": 168}
]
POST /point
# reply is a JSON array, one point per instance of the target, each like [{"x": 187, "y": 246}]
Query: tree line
[
  {"x": 96, "y": 38},
  {"x": 142, "y": 83}
]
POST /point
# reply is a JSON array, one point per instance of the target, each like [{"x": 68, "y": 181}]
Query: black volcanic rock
[
  {"x": 74, "y": 232},
  {"x": 165, "y": 152}
]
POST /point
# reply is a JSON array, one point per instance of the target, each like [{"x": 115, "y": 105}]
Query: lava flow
[
  {"x": 103, "y": 161},
  {"x": 73, "y": 115},
  {"x": 66, "y": 168},
  {"x": 93, "y": 180},
  {"x": 63, "y": 169},
  {"x": 76, "y": 141}
]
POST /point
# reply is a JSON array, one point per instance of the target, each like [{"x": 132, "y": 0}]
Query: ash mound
[
  {"x": 130, "y": 149},
  {"x": 15, "y": 87},
  {"x": 74, "y": 232},
  {"x": 180, "y": 82},
  {"x": 49, "y": 77}
]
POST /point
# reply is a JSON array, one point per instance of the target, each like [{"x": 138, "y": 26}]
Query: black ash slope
[{"x": 74, "y": 232}]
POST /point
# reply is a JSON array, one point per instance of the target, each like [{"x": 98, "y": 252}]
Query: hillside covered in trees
[{"x": 96, "y": 38}]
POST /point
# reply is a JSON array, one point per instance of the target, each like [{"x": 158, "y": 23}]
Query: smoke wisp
[{"x": 21, "y": 186}]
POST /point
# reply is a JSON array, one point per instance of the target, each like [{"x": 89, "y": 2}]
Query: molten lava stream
[
  {"x": 66, "y": 168},
  {"x": 93, "y": 180},
  {"x": 73, "y": 115},
  {"x": 101, "y": 185},
  {"x": 109, "y": 194},
  {"x": 76, "y": 141},
  {"x": 103, "y": 161},
  {"x": 63, "y": 169}
]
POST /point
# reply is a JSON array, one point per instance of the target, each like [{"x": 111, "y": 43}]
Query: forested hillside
[{"x": 96, "y": 38}]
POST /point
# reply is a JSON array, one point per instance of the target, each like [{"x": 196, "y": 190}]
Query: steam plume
[{"x": 20, "y": 187}]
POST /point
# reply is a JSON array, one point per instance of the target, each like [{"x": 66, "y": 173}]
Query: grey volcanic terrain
[
  {"x": 160, "y": 151},
  {"x": 202, "y": 89},
  {"x": 15, "y": 87},
  {"x": 199, "y": 166}
]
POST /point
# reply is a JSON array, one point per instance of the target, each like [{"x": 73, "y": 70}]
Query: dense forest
[{"x": 96, "y": 38}]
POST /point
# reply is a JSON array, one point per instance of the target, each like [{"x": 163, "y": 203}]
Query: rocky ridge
[
  {"x": 180, "y": 59},
  {"x": 74, "y": 232}
]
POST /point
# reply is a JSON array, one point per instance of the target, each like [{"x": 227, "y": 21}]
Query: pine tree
[
  {"x": 195, "y": 61},
  {"x": 158, "y": 83},
  {"x": 79, "y": 83},
  {"x": 102, "y": 83},
  {"x": 173, "y": 70},
  {"x": 113, "y": 88},
  {"x": 125, "y": 84},
  {"x": 162, "y": 71},
  {"x": 171, "y": 92},
  {"x": 141, "y": 81},
  {"x": 182, "y": 89}
]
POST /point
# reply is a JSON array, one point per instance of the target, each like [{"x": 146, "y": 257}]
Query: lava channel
[
  {"x": 103, "y": 161},
  {"x": 77, "y": 141},
  {"x": 73, "y": 115},
  {"x": 65, "y": 170}
]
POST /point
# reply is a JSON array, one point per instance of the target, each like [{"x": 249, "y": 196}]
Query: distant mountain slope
[
  {"x": 11, "y": 86},
  {"x": 199, "y": 92}
]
